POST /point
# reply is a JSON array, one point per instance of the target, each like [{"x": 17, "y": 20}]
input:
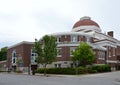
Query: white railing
[{"x": 68, "y": 42}]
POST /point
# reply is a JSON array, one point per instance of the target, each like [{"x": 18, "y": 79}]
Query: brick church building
[{"x": 105, "y": 46}]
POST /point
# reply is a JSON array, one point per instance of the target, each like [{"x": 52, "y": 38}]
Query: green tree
[
  {"x": 0, "y": 66},
  {"x": 3, "y": 54},
  {"x": 83, "y": 55},
  {"x": 46, "y": 50}
]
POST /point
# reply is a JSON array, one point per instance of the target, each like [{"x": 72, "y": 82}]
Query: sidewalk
[
  {"x": 49, "y": 75},
  {"x": 42, "y": 75},
  {"x": 62, "y": 75}
]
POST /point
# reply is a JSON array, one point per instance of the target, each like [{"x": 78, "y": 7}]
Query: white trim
[
  {"x": 72, "y": 49},
  {"x": 114, "y": 51},
  {"x": 14, "y": 64},
  {"x": 101, "y": 58},
  {"x": 74, "y": 38},
  {"x": 58, "y": 39},
  {"x": 60, "y": 52},
  {"x": 59, "y": 56},
  {"x": 97, "y": 47},
  {"x": 60, "y": 45},
  {"x": 85, "y": 17},
  {"x": 88, "y": 27},
  {"x": 3, "y": 61},
  {"x": 102, "y": 36},
  {"x": 62, "y": 62},
  {"x": 71, "y": 33},
  {"x": 111, "y": 61},
  {"x": 33, "y": 56},
  {"x": 106, "y": 43},
  {"x": 23, "y": 42}
]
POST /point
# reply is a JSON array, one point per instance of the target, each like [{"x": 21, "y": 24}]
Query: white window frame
[
  {"x": 14, "y": 57},
  {"x": 33, "y": 56},
  {"x": 58, "y": 39},
  {"x": 113, "y": 51},
  {"x": 88, "y": 39},
  {"x": 109, "y": 51},
  {"x": 73, "y": 38},
  {"x": 59, "y": 50},
  {"x": 101, "y": 55},
  {"x": 72, "y": 49}
]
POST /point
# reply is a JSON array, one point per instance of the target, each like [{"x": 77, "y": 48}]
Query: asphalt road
[{"x": 112, "y": 78}]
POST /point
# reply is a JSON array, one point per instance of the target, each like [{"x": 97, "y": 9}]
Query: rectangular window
[
  {"x": 71, "y": 50},
  {"x": 65, "y": 36},
  {"x": 88, "y": 39},
  {"x": 14, "y": 56},
  {"x": 33, "y": 56},
  {"x": 79, "y": 38},
  {"x": 109, "y": 54},
  {"x": 109, "y": 51},
  {"x": 73, "y": 38},
  {"x": 113, "y": 51},
  {"x": 71, "y": 65},
  {"x": 101, "y": 55},
  {"x": 14, "y": 53},
  {"x": 59, "y": 39},
  {"x": 59, "y": 65},
  {"x": 59, "y": 52},
  {"x": 55, "y": 65},
  {"x": 14, "y": 60}
]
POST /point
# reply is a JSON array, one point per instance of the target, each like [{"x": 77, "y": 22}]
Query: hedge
[
  {"x": 101, "y": 68},
  {"x": 81, "y": 70},
  {"x": 57, "y": 70}
]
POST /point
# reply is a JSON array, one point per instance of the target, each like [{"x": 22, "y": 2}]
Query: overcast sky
[{"x": 25, "y": 20}]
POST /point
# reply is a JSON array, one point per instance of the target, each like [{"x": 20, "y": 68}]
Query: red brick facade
[
  {"x": 106, "y": 47},
  {"x": 23, "y": 50}
]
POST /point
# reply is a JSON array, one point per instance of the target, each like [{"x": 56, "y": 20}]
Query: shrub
[
  {"x": 90, "y": 70},
  {"x": 57, "y": 70},
  {"x": 102, "y": 68},
  {"x": 81, "y": 70}
]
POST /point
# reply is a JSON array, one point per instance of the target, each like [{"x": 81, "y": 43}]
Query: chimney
[{"x": 110, "y": 33}]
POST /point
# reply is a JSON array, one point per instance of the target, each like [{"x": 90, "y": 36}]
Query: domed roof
[{"x": 85, "y": 21}]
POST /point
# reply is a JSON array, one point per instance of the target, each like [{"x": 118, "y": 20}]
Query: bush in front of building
[
  {"x": 72, "y": 71},
  {"x": 57, "y": 70},
  {"x": 101, "y": 68}
]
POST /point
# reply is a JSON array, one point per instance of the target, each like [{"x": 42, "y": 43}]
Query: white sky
[{"x": 25, "y": 20}]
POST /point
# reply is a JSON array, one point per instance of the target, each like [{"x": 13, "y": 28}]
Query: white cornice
[
  {"x": 104, "y": 36},
  {"x": 89, "y": 27},
  {"x": 71, "y": 33},
  {"x": 23, "y": 42},
  {"x": 78, "y": 43},
  {"x": 99, "y": 47},
  {"x": 60, "y": 45},
  {"x": 106, "y": 43}
]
